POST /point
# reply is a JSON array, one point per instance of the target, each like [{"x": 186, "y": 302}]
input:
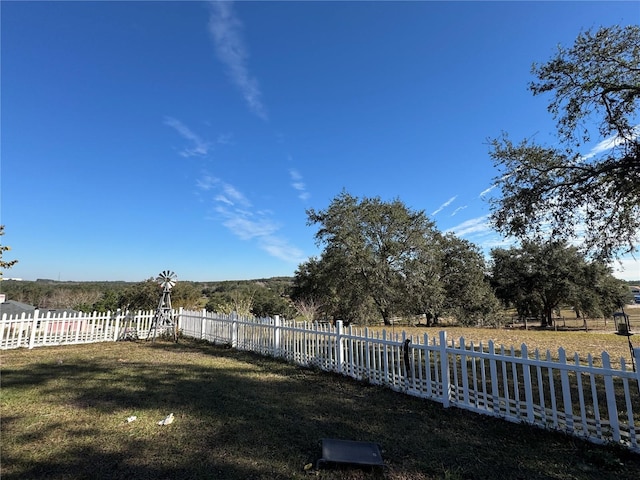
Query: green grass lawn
[{"x": 241, "y": 416}]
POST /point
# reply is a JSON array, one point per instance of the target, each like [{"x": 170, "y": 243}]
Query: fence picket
[
  {"x": 627, "y": 396},
  {"x": 464, "y": 372},
  {"x": 443, "y": 358},
  {"x": 516, "y": 384},
  {"x": 493, "y": 368},
  {"x": 526, "y": 377},
  {"x": 583, "y": 413},
  {"x": 611, "y": 399},
  {"x": 505, "y": 382},
  {"x": 541, "y": 389},
  {"x": 32, "y": 336},
  {"x": 594, "y": 398},
  {"x": 566, "y": 390}
]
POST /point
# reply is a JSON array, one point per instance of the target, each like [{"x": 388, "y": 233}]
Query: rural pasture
[{"x": 243, "y": 416}]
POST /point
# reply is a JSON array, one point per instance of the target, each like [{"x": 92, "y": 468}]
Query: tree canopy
[
  {"x": 563, "y": 191},
  {"x": 384, "y": 257},
  {"x": 373, "y": 240},
  {"x": 540, "y": 277}
]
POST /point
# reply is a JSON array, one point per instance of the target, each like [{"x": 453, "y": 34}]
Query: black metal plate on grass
[{"x": 349, "y": 451}]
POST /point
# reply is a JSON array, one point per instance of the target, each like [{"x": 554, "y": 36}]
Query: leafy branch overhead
[
  {"x": 5, "y": 248},
  {"x": 561, "y": 192}
]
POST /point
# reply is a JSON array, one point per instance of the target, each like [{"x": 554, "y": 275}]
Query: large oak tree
[
  {"x": 373, "y": 242},
  {"x": 587, "y": 186},
  {"x": 386, "y": 256}
]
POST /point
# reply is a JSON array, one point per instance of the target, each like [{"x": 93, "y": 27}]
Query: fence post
[
  {"x": 276, "y": 335},
  {"x": 444, "y": 370},
  {"x": 117, "y": 325},
  {"x": 34, "y": 324},
  {"x": 385, "y": 358},
  {"x": 636, "y": 354},
  {"x": 179, "y": 322},
  {"x": 493, "y": 369},
  {"x": 612, "y": 408},
  {"x": 528, "y": 391},
  {"x": 566, "y": 390},
  {"x": 234, "y": 330},
  {"x": 339, "y": 351},
  {"x": 464, "y": 372},
  {"x": 203, "y": 319},
  {"x": 78, "y": 325}
]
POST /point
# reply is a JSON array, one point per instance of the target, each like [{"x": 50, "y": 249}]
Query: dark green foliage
[
  {"x": 468, "y": 294},
  {"x": 260, "y": 298},
  {"x": 369, "y": 244},
  {"x": 539, "y": 277},
  {"x": 269, "y": 296},
  {"x": 383, "y": 257},
  {"x": 141, "y": 296},
  {"x": 186, "y": 295}
]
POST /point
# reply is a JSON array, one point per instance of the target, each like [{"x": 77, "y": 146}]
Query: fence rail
[{"x": 600, "y": 404}]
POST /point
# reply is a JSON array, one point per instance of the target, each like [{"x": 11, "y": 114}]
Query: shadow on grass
[{"x": 242, "y": 416}]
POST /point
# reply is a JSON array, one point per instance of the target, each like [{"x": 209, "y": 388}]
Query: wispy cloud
[
  {"x": 245, "y": 225},
  {"x": 444, "y": 205},
  {"x": 473, "y": 226},
  {"x": 279, "y": 248},
  {"x": 609, "y": 143},
  {"x": 504, "y": 177},
  {"x": 234, "y": 197},
  {"x": 198, "y": 147},
  {"x": 487, "y": 190},
  {"x": 206, "y": 182},
  {"x": 225, "y": 139},
  {"x": 299, "y": 185},
  {"x": 458, "y": 209},
  {"x": 226, "y": 31},
  {"x": 479, "y": 231},
  {"x": 238, "y": 215}
]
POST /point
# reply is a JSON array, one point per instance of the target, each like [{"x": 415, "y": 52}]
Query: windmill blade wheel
[{"x": 167, "y": 279}]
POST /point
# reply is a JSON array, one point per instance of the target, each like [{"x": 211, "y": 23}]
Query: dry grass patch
[{"x": 241, "y": 416}]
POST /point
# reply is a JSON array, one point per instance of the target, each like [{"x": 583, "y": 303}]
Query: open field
[
  {"x": 599, "y": 338},
  {"x": 582, "y": 342},
  {"x": 241, "y": 416}
]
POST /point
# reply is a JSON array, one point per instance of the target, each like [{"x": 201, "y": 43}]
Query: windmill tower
[{"x": 163, "y": 319}]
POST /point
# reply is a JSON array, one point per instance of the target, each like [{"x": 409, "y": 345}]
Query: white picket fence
[
  {"x": 599, "y": 403},
  {"x": 40, "y": 329}
]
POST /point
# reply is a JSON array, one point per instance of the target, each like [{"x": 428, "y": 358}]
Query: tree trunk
[
  {"x": 429, "y": 318},
  {"x": 547, "y": 318}
]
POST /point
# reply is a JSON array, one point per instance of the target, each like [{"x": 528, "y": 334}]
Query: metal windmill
[{"x": 163, "y": 319}]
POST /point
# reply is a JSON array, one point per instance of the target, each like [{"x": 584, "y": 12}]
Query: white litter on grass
[
  {"x": 168, "y": 420},
  {"x": 131, "y": 418}
]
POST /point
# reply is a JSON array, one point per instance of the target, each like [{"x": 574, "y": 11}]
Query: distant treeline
[{"x": 260, "y": 297}]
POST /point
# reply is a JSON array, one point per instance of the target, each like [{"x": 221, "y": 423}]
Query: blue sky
[{"x": 192, "y": 136}]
